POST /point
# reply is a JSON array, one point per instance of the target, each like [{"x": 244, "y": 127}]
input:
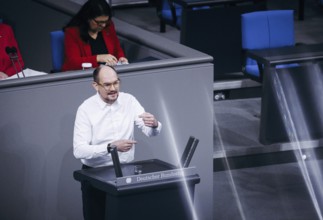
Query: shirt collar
[{"x": 103, "y": 104}]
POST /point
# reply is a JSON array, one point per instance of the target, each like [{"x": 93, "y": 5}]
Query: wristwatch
[{"x": 109, "y": 147}]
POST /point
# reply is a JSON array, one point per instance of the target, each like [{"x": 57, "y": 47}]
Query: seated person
[
  {"x": 8, "y": 40},
  {"x": 90, "y": 37},
  {"x": 11, "y": 62}
]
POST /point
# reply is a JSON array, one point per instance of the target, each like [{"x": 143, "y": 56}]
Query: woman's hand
[
  {"x": 108, "y": 59},
  {"x": 123, "y": 60},
  {"x": 3, "y": 75}
]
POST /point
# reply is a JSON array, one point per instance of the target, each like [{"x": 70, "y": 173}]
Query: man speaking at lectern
[{"x": 103, "y": 120}]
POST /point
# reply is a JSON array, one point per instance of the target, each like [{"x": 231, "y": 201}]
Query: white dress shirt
[{"x": 98, "y": 123}]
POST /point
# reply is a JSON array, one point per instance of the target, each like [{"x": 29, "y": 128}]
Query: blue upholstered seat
[
  {"x": 266, "y": 29},
  {"x": 171, "y": 13},
  {"x": 57, "y": 45}
]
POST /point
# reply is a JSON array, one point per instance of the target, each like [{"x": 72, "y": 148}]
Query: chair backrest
[
  {"x": 266, "y": 29},
  {"x": 57, "y": 45},
  {"x": 171, "y": 13}
]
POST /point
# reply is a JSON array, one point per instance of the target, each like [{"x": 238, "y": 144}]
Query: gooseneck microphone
[
  {"x": 12, "y": 53},
  {"x": 116, "y": 162},
  {"x": 12, "y": 59}
]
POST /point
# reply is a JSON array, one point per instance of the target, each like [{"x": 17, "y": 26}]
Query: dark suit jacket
[{"x": 77, "y": 51}]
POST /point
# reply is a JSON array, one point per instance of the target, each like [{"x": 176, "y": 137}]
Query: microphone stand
[
  {"x": 116, "y": 162},
  {"x": 14, "y": 51},
  {"x": 13, "y": 64}
]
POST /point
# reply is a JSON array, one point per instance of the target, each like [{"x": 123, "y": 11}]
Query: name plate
[{"x": 156, "y": 176}]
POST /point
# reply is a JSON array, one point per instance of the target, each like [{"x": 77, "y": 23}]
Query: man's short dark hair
[{"x": 97, "y": 71}]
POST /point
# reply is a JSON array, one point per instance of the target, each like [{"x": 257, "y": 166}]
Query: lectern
[{"x": 159, "y": 191}]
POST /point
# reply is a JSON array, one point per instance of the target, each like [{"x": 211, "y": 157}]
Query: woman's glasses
[{"x": 101, "y": 23}]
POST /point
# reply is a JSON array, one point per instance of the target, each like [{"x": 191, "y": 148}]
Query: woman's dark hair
[{"x": 90, "y": 10}]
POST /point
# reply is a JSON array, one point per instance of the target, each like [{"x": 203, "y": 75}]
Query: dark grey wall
[{"x": 32, "y": 23}]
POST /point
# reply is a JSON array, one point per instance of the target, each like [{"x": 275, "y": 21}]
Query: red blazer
[
  {"x": 78, "y": 52},
  {"x": 7, "y": 39}
]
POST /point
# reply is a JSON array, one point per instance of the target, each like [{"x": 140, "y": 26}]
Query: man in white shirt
[{"x": 103, "y": 120}]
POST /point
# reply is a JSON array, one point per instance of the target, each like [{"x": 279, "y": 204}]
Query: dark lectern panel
[
  {"x": 301, "y": 116},
  {"x": 160, "y": 192},
  {"x": 107, "y": 173},
  {"x": 155, "y": 174},
  {"x": 160, "y": 204}
]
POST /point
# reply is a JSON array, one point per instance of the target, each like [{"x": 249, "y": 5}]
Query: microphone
[
  {"x": 12, "y": 58},
  {"x": 8, "y": 50},
  {"x": 12, "y": 53}
]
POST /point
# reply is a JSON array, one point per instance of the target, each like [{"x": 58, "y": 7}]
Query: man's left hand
[{"x": 149, "y": 120}]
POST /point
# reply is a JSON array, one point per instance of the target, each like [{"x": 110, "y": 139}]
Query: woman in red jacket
[
  {"x": 90, "y": 37},
  {"x": 7, "y": 41}
]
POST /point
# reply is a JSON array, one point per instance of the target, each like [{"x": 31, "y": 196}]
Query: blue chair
[
  {"x": 171, "y": 13},
  {"x": 57, "y": 45},
  {"x": 265, "y": 29}
]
